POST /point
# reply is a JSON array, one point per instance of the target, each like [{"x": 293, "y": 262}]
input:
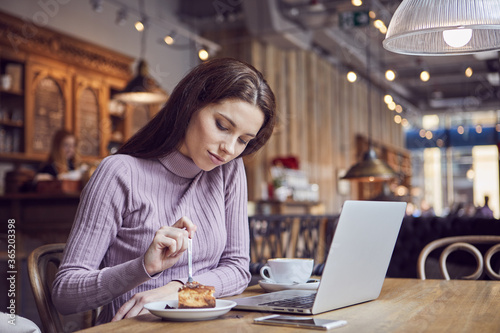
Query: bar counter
[{"x": 47, "y": 217}]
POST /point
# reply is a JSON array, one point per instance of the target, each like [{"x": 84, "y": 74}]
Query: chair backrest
[
  {"x": 43, "y": 264},
  {"x": 463, "y": 243},
  {"x": 290, "y": 236}
]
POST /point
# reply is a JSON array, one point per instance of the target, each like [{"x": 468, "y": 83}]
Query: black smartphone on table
[{"x": 300, "y": 321}]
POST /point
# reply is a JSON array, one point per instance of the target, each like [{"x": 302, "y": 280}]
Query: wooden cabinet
[
  {"x": 12, "y": 119},
  {"x": 48, "y": 105},
  {"x": 59, "y": 82}
]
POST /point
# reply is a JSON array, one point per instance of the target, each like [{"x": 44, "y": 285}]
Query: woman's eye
[
  {"x": 219, "y": 125},
  {"x": 243, "y": 141}
]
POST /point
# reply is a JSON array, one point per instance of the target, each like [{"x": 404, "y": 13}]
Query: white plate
[
  {"x": 270, "y": 286},
  {"x": 158, "y": 309}
]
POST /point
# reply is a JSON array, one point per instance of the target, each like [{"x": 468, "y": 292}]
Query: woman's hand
[
  {"x": 135, "y": 306},
  {"x": 168, "y": 245}
]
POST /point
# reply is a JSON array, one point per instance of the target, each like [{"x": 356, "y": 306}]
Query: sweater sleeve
[
  {"x": 81, "y": 284},
  {"x": 232, "y": 274}
]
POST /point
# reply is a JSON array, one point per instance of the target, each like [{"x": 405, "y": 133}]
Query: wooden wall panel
[{"x": 321, "y": 114}]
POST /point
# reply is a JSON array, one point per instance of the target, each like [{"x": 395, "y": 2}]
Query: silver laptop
[{"x": 356, "y": 265}]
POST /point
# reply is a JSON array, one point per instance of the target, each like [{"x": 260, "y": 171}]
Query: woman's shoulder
[
  {"x": 118, "y": 162},
  {"x": 233, "y": 167},
  {"x": 124, "y": 162}
]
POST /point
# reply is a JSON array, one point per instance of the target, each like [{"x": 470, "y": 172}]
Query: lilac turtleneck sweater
[{"x": 125, "y": 202}]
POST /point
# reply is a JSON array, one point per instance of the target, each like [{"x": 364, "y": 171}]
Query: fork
[{"x": 190, "y": 260}]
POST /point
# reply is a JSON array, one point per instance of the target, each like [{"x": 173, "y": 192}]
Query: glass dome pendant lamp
[{"x": 444, "y": 27}]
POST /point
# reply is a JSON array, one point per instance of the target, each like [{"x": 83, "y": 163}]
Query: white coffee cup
[{"x": 287, "y": 270}]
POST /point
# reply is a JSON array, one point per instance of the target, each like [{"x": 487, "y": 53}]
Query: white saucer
[
  {"x": 158, "y": 309},
  {"x": 313, "y": 284}
]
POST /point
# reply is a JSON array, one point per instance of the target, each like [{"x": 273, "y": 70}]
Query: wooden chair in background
[
  {"x": 462, "y": 243},
  {"x": 43, "y": 264},
  {"x": 290, "y": 236}
]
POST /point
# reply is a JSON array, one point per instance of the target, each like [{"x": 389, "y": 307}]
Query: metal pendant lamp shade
[
  {"x": 142, "y": 89},
  {"x": 444, "y": 27},
  {"x": 370, "y": 168}
]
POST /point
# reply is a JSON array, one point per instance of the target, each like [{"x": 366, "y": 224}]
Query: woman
[
  {"x": 180, "y": 176},
  {"x": 62, "y": 157}
]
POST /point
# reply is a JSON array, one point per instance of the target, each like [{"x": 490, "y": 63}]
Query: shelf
[
  {"x": 10, "y": 123},
  {"x": 117, "y": 115},
  {"x": 20, "y": 157},
  {"x": 12, "y": 92}
]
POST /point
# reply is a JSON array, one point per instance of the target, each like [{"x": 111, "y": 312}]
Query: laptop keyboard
[{"x": 302, "y": 302}]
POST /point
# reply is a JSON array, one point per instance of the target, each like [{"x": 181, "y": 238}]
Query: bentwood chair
[
  {"x": 43, "y": 264},
  {"x": 290, "y": 236},
  {"x": 463, "y": 243}
]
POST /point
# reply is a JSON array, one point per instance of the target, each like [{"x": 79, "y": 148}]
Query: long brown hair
[
  {"x": 56, "y": 155},
  {"x": 210, "y": 82}
]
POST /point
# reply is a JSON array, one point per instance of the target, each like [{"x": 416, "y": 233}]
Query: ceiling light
[
  {"x": 142, "y": 89},
  {"x": 391, "y": 106},
  {"x": 457, "y": 37},
  {"x": 170, "y": 38},
  {"x": 469, "y": 72},
  {"x": 370, "y": 168},
  {"x": 378, "y": 23},
  {"x": 388, "y": 99},
  {"x": 399, "y": 108},
  {"x": 139, "y": 26},
  {"x": 425, "y": 76},
  {"x": 390, "y": 75},
  {"x": 203, "y": 54},
  {"x": 397, "y": 119},
  {"x": 460, "y": 130},
  {"x": 444, "y": 27},
  {"x": 356, "y": 3},
  {"x": 352, "y": 77}
]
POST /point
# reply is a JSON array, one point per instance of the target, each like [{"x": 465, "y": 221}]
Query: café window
[{"x": 446, "y": 179}]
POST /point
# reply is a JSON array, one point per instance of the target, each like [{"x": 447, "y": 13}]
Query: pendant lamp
[
  {"x": 370, "y": 168},
  {"x": 444, "y": 27},
  {"x": 142, "y": 89}
]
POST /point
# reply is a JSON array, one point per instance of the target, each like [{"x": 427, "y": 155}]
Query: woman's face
[
  {"x": 220, "y": 132},
  {"x": 68, "y": 147}
]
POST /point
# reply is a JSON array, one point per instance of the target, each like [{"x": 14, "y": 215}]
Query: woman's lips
[{"x": 216, "y": 159}]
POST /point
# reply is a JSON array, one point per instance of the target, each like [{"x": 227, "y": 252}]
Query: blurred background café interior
[
  {"x": 343, "y": 98},
  {"x": 357, "y": 120}
]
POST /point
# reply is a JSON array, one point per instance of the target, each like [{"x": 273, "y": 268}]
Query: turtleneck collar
[{"x": 180, "y": 165}]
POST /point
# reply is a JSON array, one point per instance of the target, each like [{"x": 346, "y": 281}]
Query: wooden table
[{"x": 405, "y": 305}]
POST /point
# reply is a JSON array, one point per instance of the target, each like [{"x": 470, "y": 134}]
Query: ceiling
[{"x": 319, "y": 25}]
